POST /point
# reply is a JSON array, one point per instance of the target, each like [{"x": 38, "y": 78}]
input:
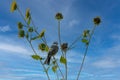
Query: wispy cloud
[
  {"x": 107, "y": 63},
  {"x": 115, "y": 37},
  {"x": 109, "y": 59},
  {"x": 73, "y": 23},
  {"x": 13, "y": 48},
  {"x": 5, "y": 28}
]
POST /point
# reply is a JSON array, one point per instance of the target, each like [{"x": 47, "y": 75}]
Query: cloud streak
[
  {"x": 5, "y": 28},
  {"x": 13, "y": 48}
]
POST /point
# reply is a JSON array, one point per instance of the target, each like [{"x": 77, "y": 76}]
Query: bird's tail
[{"x": 47, "y": 61}]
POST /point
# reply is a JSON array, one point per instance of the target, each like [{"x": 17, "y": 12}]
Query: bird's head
[{"x": 56, "y": 43}]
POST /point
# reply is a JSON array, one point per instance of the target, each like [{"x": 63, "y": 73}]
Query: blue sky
[{"x": 102, "y": 61}]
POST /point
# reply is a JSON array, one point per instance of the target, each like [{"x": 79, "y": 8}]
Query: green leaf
[
  {"x": 46, "y": 48},
  {"x": 63, "y": 60},
  {"x": 42, "y": 47},
  {"x": 42, "y": 34},
  {"x": 27, "y": 35},
  {"x": 20, "y": 25},
  {"x": 13, "y": 6},
  {"x": 21, "y": 33},
  {"x": 36, "y": 57},
  {"x": 34, "y": 38},
  {"x": 84, "y": 40},
  {"x": 54, "y": 68},
  {"x": 54, "y": 62},
  {"x": 30, "y": 29},
  {"x": 29, "y": 21},
  {"x": 27, "y": 15},
  {"x": 86, "y": 33}
]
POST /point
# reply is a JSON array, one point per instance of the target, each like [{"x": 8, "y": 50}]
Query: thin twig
[
  {"x": 44, "y": 38},
  {"x": 74, "y": 42},
  {"x": 86, "y": 50},
  {"x": 40, "y": 60},
  {"x": 31, "y": 43},
  {"x": 66, "y": 68},
  {"x": 59, "y": 37},
  {"x": 58, "y": 67}
]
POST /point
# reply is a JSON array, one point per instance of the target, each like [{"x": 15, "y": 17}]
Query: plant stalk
[{"x": 85, "y": 53}]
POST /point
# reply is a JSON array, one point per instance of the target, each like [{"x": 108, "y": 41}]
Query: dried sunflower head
[
  {"x": 59, "y": 16},
  {"x": 97, "y": 20}
]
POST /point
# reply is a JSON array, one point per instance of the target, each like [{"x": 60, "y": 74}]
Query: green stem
[
  {"x": 45, "y": 70},
  {"x": 57, "y": 75},
  {"x": 32, "y": 45},
  {"x": 58, "y": 67},
  {"x": 59, "y": 37},
  {"x": 22, "y": 16},
  {"x": 40, "y": 60},
  {"x": 74, "y": 42},
  {"x": 32, "y": 23},
  {"x": 86, "y": 50},
  {"x": 66, "y": 68}
]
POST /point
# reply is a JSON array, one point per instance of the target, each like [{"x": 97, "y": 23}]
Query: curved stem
[
  {"x": 40, "y": 60},
  {"x": 86, "y": 50},
  {"x": 31, "y": 43}
]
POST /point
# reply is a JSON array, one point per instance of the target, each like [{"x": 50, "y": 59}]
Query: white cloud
[
  {"x": 107, "y": 63},
  {"x": 116, "y": 37},
  {"x": 25, "y": 70},
  {"x": 13, "y": 48},
  {"x": 73, "y": 23},
  {"x": 5, "y": 28}
]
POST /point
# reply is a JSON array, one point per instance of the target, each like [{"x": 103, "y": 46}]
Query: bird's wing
[{"x": 53, "y": 49}]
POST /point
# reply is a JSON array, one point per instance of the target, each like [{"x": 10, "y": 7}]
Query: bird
[{"x": 52, "y": 51}]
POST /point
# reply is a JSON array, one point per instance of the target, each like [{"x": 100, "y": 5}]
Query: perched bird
[{"x": 53, "y": 50}]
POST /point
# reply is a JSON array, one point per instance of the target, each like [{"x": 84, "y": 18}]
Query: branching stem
[{"x": 85, "y": 53}]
